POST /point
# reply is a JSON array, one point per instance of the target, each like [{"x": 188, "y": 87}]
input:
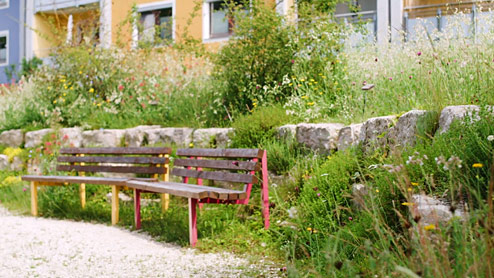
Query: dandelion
[
  {"x": 310, "y": 103},
  {"x": 91, "y": 90},
  {"x": 430, "y": 227},
  {"x": 415, "y": 183},
  {"x": 407, "y": 204},
  {"x": 478, "y": 165},
  {"x": 309, "y": 229}
]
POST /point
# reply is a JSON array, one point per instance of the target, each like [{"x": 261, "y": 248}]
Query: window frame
[
  {"x": 155, "y": 6},
  {"x": 7, "y": 5},
  {"x": 207, "y": 25},
  {"x": 6, "y": 34}
]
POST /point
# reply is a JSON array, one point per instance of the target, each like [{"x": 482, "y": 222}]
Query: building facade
[{"x": 11, "y": 36}]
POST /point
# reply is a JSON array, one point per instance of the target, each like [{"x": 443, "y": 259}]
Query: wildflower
[
  {"x": 120, "y": 87},
  {"x": 430, "y": 227},
  {"x": 490, "y": 138},
  {"x": 375, "y": 60},
  {"x": 24, "y": 189},
  {"x": 390, "y": 79},
  {"x": 292, "y": 212},
  {"x": 377, "y": 190},
  {"x": 310, "y": 103},
  {"x": 91, "y": 90},
  {"x": 191, "y": 145},
  {"x": 410, "y": 77},
  {"x": 258, "y": 87},
  {"x": 407, "y": 204},
  {"x": 419, "y": 53},
  {"x": 304, "y": 97},
  {"x": 315, "y": 188},
  {"x": 415, "y": 183},
  {"x": 302, "y": 80},
  {"x": 478, "y": 165},
  {"x": 318, "y": 194},
  {"x": 350, "y": 218},
  {"x": 409, "y": 189},
  {"x": 309, "y": 229},
  {"x": 293, "y": 61}
]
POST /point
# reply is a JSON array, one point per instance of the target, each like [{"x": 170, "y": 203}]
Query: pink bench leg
[
  {"x": 193, "y": 222},
  {"x": 137, "y": 208},
  {"x": 265, "y": 191}
]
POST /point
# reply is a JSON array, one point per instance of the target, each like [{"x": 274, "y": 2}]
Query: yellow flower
[
  {"x": 290, "y": 84},
  {"x": 409, "y": 189},
  {"x": 302, "y": 80},
  {"x": 415, "y": 183},
  {"x": 312, "y": 80},
  {"x": 320, "y": 93},
  {"x": 72, "y": 87},
  {"x": 377, "y": 190},
  {"x": 478, "y": 165},
  {"x": 55, "y": 101},
  {"x": 309, "y": 229},
  {"x": 336, "y": 83},
  {"x": 407, "y": 204},
  {"x": 80, "y": 72},
  {"x": 10, "y": 180},
  {"x": 99, "y": 104},
  {"x": 91, "y": 90},
  {"x": 49, "y": 88},
  {"x": 430, "y": 227},
  {"x": 64, "y": 94},
  {"x": 191, "y": 145},
  {"x": 310, "y": 103},
  {"x": 304, "y": 97}
]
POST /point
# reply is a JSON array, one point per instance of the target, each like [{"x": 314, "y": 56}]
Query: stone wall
[{"x": 393, "y": 131}]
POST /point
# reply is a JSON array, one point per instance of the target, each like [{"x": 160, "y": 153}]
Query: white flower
[
  {"x": 490, "y": 138},
  {"x": 292, "y": 212}
]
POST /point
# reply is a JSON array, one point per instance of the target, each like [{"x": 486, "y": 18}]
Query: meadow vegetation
[{"x": 318, "y": 229}]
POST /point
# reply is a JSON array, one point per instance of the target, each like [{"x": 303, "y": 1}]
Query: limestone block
[
  {"x": 208, "y": 137},
  {"x": 349, "y": 136},
  {"x": 35, "y": 138},
  {"x": 180, "y": 136},
  {"x": 376, "y": 131},
  {"x": 71, "y": 137},
  {"x": 450, "y": 113},
  {"x": 434, "y": 211},
  {"x": 102, "y": 138},
  {"x": 319, "y": 137},
  {"x": 287, "y": 131},
  {"x": 407, "y": 127},
  {"x": 134, "y": 137},
  {"x": 4, "y": 162},
  {"x": 12, "y": 138}
]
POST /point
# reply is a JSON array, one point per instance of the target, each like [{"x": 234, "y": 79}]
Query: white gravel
[{"x": 40, "y": 247}]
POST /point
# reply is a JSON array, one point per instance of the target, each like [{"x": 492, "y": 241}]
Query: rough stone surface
[
  {"x": 349, "y": 136},
  {"x": 71, "y": 137},
  {"x": 103, "y": 138},
  {"x": 17, "y": 164},
  {"x": 406, "y": 130},
  {"x": 287, "y": 131},
  {"x": 376, "y": 131},
  {"x": 35, "y": 138},
  {"x": 433, "y": 211},
  {"x": 134, "y": 137},
  {"x": 210, "y": 137},
  {"x": 359, "y": 192},
  {"x": 12, "y": 138},
  {"x": 121, "y": 196},
  {"x": 450, "y": 113},
  {"x": 4, "y": 162},
  {"x": 176, "y": 136},
  {"x": 319, "y": 137}
]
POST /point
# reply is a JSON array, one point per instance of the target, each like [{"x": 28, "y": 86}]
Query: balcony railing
[{"x": 51, "y": 5}]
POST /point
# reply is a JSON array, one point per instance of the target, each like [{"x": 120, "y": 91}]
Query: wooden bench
[
  {"x": 230, "y": 166},
  {"x": 150, "y": 161}
]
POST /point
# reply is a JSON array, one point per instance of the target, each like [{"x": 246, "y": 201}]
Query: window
[
  {"x": 4, "y": 48},
  {"x": 4, "y": 4},
  {"x": 217, "y": 19},
  {"x": 156, "y": 23}
]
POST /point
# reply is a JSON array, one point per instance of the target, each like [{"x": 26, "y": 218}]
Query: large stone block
[
  {"x": 12, "y": 138},
  {"x": 35, "y": 138},
  {"x": 180, "y": 136},
  {"x": 17, "y": 164},
  {"x": 375, "y": 132},
  {"x": 349, "y": 136},
  {"x": 287, "y": 131},
  {"x": 319, "y": 137},
  {"x": 4, "y": 162},
  {"x": 103, "y": 138},
  {"x": 210, "y": 137},
  {"x": 434, "y": 211},
  {"x": 134, "y": 137},
  {"x": 71, "y": 137},
  {"x": 412, "y": 124},
  {"x": 459, "y": 112}
]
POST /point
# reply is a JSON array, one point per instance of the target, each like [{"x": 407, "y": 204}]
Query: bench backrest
[
  {"x": 152, "y": 161},
  {"x": 232, "y": 166}
]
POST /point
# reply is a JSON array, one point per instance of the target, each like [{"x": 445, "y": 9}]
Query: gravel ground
[{"x": 39, "y": 247}]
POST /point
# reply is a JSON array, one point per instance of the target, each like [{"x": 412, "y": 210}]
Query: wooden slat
[
  {"x": 113, "y": 159},
  {"x": 227, "y": 153},
  {"x": 219, "y": 176},
  {"x": 219, "y": 164},
  {"x": 121, "y": 151},
  {"x": 112, "y": 169},
  {"x": 188, "y": 190},
  {"x": 52, "y": 180}
]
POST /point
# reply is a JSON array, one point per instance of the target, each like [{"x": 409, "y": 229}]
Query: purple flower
[
  {"x": 419, "y": 53},
  {"x": 410, "y": 77},
  {"x": 350, "y": 218},
  {"x": 315, "y": 188},
  {"x": 391, "y": 79},
  {"x": 318, "y": 194},
  {"x": 258, "y": 87},
  {"x": 24, "y": 189},
  {"x": 293, "y": 61},
  {"x": 375, "y": 60}
]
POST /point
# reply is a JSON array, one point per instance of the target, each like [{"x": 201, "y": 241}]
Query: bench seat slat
[
  {"x": 217, "y": 175},
  {"x": 219, "y": 164},
  {"x": 121, "y": 151},
  {"x": 114, "y": 159},
  {"x": 225, "y": 153},
  {"x": 188, "y": 190},
  {"x": 112, "y": 169},
  {"x": 78, "y": 179}
]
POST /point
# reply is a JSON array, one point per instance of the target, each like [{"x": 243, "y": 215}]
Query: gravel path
[{"x": 39, "y": 247}]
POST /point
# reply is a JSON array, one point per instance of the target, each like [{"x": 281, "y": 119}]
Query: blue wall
[{"x": 10, "y": 20}]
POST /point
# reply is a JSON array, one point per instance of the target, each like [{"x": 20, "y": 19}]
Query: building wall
[{"x": 10, "y": 20}]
